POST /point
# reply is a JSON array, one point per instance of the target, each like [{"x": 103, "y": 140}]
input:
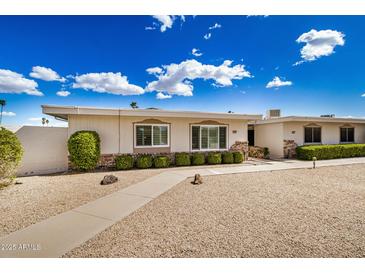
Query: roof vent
[
  {"x": 273, "y": 113},
  {"x": 328, "y": 115}
]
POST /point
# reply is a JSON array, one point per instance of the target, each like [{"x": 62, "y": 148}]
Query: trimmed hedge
[
  {"x": 324, "y": 152},
  {"x": 182, "y": 159},
  {"x": 84, "y": 149},
  {"x": 124, "y": 162},
  {"x": 237, "y": 157},
  {"x": 11, "y": 152},
  {"x": 227, "y": 158},
  {"x": 161, "y": 161},
  {"x": 214, "y": 158},
  {"x": 198, "y": 159},
  {"x": 144, "y": 161}
]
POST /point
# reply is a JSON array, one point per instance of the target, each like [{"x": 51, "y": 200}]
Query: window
[
  {"x": 152, "y": 135},
  {"x": 208, "y": 137},
  {"x": 312, "y": 135},
  {"x": 347, "y": 135}
]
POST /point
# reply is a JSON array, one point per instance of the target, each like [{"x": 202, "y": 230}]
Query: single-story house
[
  {"x": 283, "y": 134},
  {"x": 156, "y": 131},
  {"x": 166, "y": 132}
]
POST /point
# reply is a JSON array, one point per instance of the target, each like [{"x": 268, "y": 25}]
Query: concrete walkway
[{"x": 57, "y": 235}]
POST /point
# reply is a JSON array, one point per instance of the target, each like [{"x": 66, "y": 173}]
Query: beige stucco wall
[
  {"x": 45, "y": 150},
  {"x": 270, "y": 136},
  {"x": 109, "y": 126},
  {"x": 330, "y": 132}
]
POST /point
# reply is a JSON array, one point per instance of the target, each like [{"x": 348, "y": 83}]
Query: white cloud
[
  {"x": 162, "y": 96},
  {"x": 196, "y": 52},
  {"x": 46, "y": 74},
  {"x": 319, "y": 43},
  {"x": 207, "y": 36},
  {"x": 12, "y": 82},
  {"x": 363, "y": 95},
  {"x": 107, "y": 82},
  {"x": 215, "y": 26},
  {"x": 63, "y": 93},
  {"x": 176, "y": 79},
  {"x": 277, "y": 82},
  {"x": 9, "y": 113},
  {"x": 154, "y": 70},
  {"x": 164, "y": 22}
]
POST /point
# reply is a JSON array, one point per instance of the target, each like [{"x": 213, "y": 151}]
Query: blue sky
[{"x": 90, "y": 56}]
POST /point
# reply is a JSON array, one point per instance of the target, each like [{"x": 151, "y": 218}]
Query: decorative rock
[
  {"x": 256, "y": 152},
  {"x": 198, "y": 179},
  {"x": 109, "y": 179},
  {"x": 289, "y": 149},
  {"x": 240, "y": 146}
]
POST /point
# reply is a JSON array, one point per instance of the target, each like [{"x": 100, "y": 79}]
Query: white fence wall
[{"x": 45, "y": 150}]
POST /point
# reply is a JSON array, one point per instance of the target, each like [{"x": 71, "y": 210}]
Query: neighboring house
[
  {"x": 282, "y": 134},
  {"x": 156, "y": 131}
]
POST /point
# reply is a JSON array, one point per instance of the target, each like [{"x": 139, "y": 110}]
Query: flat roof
[
  {"x": 62, "y": 112},
  {"x": 310, "y": 119}
]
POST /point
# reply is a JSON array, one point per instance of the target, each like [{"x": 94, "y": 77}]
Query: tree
[
  {"x": 2, "y": 103},
  {"x": 11, "y": 152},
  {"x": 134, "y": 105},
  {"x": 43, "y": 121}
]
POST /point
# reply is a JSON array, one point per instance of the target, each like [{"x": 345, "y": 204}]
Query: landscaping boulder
[
  {"x": 198, "y": 179},
  {"x": 109, "y": 179}
]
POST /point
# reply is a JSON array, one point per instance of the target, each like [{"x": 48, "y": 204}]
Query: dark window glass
[
  {"x": 343, "y": 135},
  {"x": 351, "y": 135},
  {"x": 222, "y": 137},
  {"x": 195, "y": 139},
  {"x": 347, "y": 135},
  {"x": 316, "y": 134},
  {"x": 144, "y": 135},
  {"x": 308, "y": 135},
  {"x": 312, "y": 135}
]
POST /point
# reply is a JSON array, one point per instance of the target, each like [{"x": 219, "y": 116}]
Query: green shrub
[
  {"x": 124, "y": 162},
  {"x": 11, "y": 152},
  {"x": 227, "y": 157},
  {"x": 324, "y": 152},
  {"x": 214, "y": 158},
  {"x": 84, "y": 149},
  {"x": 198, "y": 159},
  {"x": 144, "y": 161},
  {"x": 182, "y": 159},
  {"x": 161, "y": 161},
  {"x": 237, "y": 157},
  {"x": 266, "y": 152}
]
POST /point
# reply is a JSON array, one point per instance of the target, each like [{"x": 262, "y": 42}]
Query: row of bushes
[
  {"x": 128, "y": 161},
  {"x": 84, "y": 150},
  {"x": 324, "y": 152}
]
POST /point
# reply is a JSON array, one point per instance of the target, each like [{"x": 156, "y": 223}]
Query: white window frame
[
  {"x": 200, "y": 139},
  {"x": 347, "y": 135},
  {"x": 152, "y": 145}
]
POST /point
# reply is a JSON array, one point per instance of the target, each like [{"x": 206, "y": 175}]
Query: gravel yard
[
  {"x": 293, "y": 213},
  {"x": 40, "y": 197}
]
